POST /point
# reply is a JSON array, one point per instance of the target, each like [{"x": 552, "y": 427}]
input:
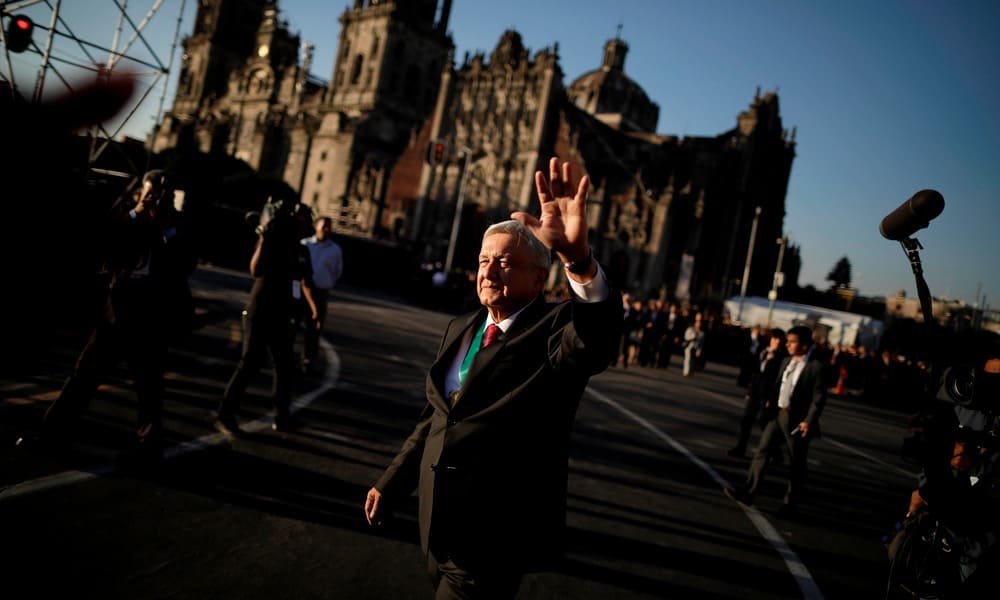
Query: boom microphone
[{"x": 916, "y": 213}]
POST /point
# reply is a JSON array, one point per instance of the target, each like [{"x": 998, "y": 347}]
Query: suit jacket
[
  {"x": 808, "y": 396},
  {"x": 762, "y": 389},
  {"x": 491, "y": 469}
]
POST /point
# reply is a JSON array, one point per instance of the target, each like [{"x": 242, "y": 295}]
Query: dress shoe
[
  {"x": 286, "y": 423},
  {"x": 227, "y": 426}
]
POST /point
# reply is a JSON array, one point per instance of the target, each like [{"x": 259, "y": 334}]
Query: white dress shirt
[
  {"x": 595, "y": 290},
  {"x": 788, "y": 380}
]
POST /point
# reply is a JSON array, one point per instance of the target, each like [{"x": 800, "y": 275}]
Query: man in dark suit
[
  {"x": 752, "y": 346},
  {"x": 800, "y": 399},
  {"x": 489, "y": 454},
  {"x": 760, "y": 398}
]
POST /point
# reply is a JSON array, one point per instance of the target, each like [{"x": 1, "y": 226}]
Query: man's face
[
  {"x": 794, "y": 345},
  {"x": 775, "y": 343},
  {"x": 322, "y": 229},
  {"x": 508, "y": 278},
  {"x": 150, "y": 196}
]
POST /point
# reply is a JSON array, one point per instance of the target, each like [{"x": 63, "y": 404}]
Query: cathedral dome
[{"x": 611, "y": 95}]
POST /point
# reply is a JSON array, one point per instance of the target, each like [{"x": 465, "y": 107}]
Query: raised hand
[{"x": 562, "y": 225}]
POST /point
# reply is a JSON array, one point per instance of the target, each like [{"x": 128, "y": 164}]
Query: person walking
[
  {"x": 146, "y": 265},
  {"x": 801, "y": 397},
  {"x": 760, "y": 400},
  {"x": 327, "y": 261},
  {"x": 489, "y": 454},
  {"x": 694, "y": 342},
  {"x": 281, "y": 267}
]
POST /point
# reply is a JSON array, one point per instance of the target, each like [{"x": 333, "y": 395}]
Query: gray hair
[{"x": 541, "y": 255}]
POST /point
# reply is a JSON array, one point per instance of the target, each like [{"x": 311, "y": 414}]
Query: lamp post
[
  {"x": 746, "y": 267},
  {"x": 779, "y": 279},
  {"x": 457, "y": 221}
]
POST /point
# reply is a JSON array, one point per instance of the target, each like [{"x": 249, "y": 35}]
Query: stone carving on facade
[{"x": 339, "y": 144}]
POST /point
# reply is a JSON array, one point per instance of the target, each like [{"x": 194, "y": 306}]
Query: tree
[{"x": 840, "y": 275}]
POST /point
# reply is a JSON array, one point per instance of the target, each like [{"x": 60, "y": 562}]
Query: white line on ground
[
  {"x": 31, "y": 486},
  {"x": 798, "y": 570}
]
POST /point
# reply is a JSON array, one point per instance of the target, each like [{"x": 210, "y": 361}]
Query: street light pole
[
  {"x": 457, "y": 221},
  {"x": 746, "y": 267},
  {"x": 779, "y": 279}
]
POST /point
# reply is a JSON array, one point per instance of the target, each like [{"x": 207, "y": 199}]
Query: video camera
[
  {"x": 963, "y": 378},
  {"x": 281, "y": 216}
]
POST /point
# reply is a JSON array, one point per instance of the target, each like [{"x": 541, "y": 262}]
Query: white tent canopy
[{"x": 840, "y": 327}]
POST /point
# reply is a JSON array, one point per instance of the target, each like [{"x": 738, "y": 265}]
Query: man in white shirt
[
  {"x": 801, "y": 397},
  {"x": 327, "y": 266}
]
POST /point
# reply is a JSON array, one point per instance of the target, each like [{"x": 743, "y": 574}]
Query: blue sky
[{"x": 887, "y": 97}]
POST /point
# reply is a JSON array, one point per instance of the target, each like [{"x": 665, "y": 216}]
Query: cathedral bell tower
[
  {"x": 385, "y": 82},
  {"x": 261, "y": 93},
  {"x": 223, "y": 38}
]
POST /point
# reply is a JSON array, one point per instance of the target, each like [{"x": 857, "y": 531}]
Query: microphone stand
[{"x": 910, "y": 246}]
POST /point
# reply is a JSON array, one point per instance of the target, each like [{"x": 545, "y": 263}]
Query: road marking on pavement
[
  {"x": 798, "y": 570},
  {"x": 329, "y": 381}
]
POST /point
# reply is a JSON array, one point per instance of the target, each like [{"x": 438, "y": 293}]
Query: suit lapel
[
  {"x": 482, "y": 363},
  {"x": 449, "y": 347}
]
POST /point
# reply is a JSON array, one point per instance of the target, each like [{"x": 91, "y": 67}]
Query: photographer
[
  {"x": 147, "y": 262},
  {"x": 282, "y": 272},
  {"x": 957, "y": 502}
]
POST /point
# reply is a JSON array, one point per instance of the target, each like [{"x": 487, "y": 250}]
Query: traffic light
[
  {"x": 19, "y": 30},
  {"x": 435, "y": 152}
]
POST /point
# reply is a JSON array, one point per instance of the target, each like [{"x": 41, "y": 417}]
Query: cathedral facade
[{"x": 668, "y": 215}]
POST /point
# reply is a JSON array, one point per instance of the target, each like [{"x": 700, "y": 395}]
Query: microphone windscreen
[{"x": 916, "y": 213}]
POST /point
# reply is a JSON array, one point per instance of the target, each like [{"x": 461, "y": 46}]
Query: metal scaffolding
[{"x": 63, "y": 47}]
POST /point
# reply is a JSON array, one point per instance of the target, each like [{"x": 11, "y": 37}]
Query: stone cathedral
[{"x": 668, "y": 215}]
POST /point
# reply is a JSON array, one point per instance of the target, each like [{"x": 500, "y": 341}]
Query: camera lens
[{"x": 959, "y": 383}]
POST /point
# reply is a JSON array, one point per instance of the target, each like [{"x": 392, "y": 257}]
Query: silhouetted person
[
  {"x": 632, "y": 324},
  {"x": 147, "y": 264},
  {"x": 760, "y": 400},
  {"x": 753, "y": 343},
  {"x": 280, "y": 265},
  {"x": 958, "y": 482},
  {"x": 652, "y": 332}
]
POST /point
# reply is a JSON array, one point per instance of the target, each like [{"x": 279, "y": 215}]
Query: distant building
[
  {"x": 953, "y": 314},
  {"x": 668, "y": 215}
]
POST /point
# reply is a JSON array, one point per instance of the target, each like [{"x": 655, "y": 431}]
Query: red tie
[{"x": 491, "y": 335}]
